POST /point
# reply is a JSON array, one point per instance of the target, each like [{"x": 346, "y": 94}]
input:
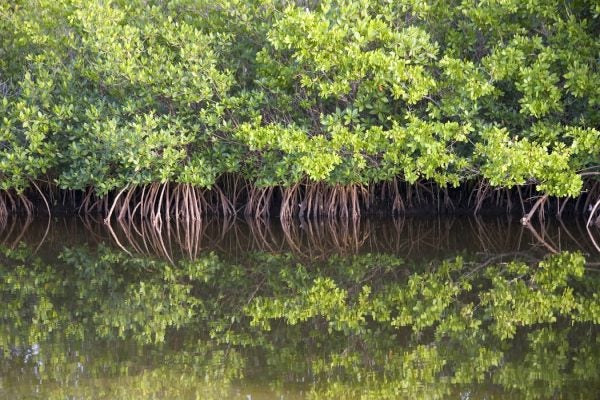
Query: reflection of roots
[
  {"x": 563, "y": 238},
  {"x": 3, "y": 210},
  {"x": 543, "y": 238},
  {"x": 13, "y": 230},
  {"x": 322, "y": 238},
  {"x": 12, "y": 202},
  {"x": 592, "y": 235},
  {"x": 594, "y": 217},
  {"x": 308, "y": 238},
  {"x": 314, "y": 239},
  {"x": 170, "y": 240},
  {"x": 52, "y": 234}
]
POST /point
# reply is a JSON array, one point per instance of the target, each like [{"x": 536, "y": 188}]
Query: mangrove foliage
[{"x": 157, "y": 108}]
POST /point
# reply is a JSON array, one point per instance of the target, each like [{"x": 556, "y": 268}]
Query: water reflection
[
  {"x": 410, "y": 237},
  {"x": 388, "y": 309},
  {"x": 313, "y": 239}
]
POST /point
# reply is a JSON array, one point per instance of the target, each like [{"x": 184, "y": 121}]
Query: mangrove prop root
[
  {"x": 593, "y": 211},
  {"x": 527, "y": 217},
  {"x": 233, "y": 196}
]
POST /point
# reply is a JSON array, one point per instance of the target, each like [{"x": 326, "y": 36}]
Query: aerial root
[
  {"x": 233, "y": 195},
  {"x": 290, "y": 202},
  {"x": 3, "y": 209},
  {"x": 540, "y": 202},
  {"x": 595, "y": 209},
  {"x": 258, "y": 204}
]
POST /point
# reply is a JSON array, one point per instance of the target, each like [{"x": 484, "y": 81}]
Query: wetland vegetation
[
  {"x": 169, "y": 131},
  {"x": 305, "y": 108}
]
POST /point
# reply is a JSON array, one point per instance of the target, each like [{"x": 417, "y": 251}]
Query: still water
[{"x": 375, "y": 309}]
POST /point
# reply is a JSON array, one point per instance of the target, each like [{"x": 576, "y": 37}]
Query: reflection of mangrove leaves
[
  {"x": 117, "y": 371},
  {"x": 370, "y": 326}
]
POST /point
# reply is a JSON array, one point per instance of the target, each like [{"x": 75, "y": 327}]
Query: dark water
[{"x": 407, "y": 308}]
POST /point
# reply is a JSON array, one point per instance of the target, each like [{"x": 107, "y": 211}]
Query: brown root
[
  {"x": 398, "y": 203},
  {"x": 258, "y": 204},
  {"x": 593, "y": 210},
  {"x": 290, "y": 202},
  {"x": 540, "y": 202}
]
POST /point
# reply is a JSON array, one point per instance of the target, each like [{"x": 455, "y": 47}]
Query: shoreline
[{"x": 303, "y": 201}]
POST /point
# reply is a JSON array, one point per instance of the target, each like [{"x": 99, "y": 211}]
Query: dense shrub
[{"x": 126, "y": 93}]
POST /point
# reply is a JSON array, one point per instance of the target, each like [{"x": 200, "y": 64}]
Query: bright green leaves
[
  {"x": 418, "y": 150},
  {"x": 300, "y": 149},
  {"x": 540, "y": 92},
  {"x": 377, "y": 73},
  {"x": 582, "y": 82},
  {"x": 465, "y": 83},
  {"x": 114, "y": 153},
  {"x": 346, "y": 51},
  {"x": 425, "y": 150},
  {"x": 585, "y": 144},
  {"x": 532, "y": 67},
  {"x": 346, "y": 57},
  {"x": 507, "y": 161},
  {"x": 109, "y": 94},
  {"x": 153, "y": 56},
  {"x": 319, "y": 168}
]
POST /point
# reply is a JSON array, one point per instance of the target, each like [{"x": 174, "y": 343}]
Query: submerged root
[
  {"x": 480, "y": 193},
  {"x": 320, "y": 238},
  {"x": 398, "y": 202},
  {"x": 290, "y": 201},
  {"x": 12, "y": 202}
]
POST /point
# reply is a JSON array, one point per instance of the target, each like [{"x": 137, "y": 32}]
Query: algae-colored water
[{"x": 378, "y": 308}]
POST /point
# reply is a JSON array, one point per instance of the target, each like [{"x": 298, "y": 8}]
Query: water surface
[{"x": 380, "y": 308}]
